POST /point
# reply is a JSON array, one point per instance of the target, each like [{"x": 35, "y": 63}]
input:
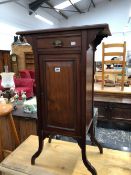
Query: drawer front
[
  {"x": 103, "y": 112},
  {"x": 67, "y": 42},
  {"x": 121, "y": 113}
]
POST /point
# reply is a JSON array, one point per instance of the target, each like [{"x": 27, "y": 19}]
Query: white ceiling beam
[{"x": 7, "y": 1}]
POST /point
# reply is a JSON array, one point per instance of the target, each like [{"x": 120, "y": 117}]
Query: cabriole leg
[
  {"x": 40, "y": 148},
  {"x": 88, "y": 165}
]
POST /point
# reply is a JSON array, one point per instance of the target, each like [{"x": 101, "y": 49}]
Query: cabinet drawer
[
  {"x": 67, "y": 42},
  {"x": 103, "y": 112},
  {"x": 121, "y": 113}
]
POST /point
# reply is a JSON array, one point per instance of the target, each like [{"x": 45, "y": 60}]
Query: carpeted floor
[
  {"x": 109, "y": 138},
  {"x": 114, "y": 138}
]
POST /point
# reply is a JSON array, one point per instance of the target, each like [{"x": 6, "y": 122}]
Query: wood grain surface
[{"x": 64, "y": 158}]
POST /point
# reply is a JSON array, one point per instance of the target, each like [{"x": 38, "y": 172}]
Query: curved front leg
[
  {"x": 88, "y": 165},
  {"x": 40, "y": 148}
]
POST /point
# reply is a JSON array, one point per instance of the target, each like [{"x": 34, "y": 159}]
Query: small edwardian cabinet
[{"x": 64, "y": 61}]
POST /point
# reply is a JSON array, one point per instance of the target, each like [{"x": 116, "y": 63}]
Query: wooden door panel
[
  {"x": 60, "y": 94},
  {"x": 60, "y": 86}
]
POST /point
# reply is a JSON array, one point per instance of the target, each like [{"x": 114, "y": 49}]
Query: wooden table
[
  {"x": 25, "y": 122},
  {"x": 20, "y": 112},
  {"x": 64, "y": 158}
]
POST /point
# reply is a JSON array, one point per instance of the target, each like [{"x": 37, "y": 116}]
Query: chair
[
  {"x": 32, "y": 74},
  {"x": 29, "y": 74},
  {"x": 24, "y": 74},
  {"x": 117, "y": 60},
  {"x": 24, "y": 84},
  {"x": 5, "y": 111}
]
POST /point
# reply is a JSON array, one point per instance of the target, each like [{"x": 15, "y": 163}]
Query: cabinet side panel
[{"x": 89, "y": 85}]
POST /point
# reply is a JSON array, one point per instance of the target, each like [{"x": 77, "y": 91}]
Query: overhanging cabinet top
[{"x": 67, "y": 38}]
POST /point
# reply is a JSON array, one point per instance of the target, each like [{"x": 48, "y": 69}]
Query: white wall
[
  {"x": 7, "y": 33},
  {"x": 15, "y": 18}
]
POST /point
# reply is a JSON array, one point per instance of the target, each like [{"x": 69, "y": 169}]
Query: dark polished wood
[
  {"x": 64, "y": 63},
  {"x": 112, "y": 94},
  {"x": 61, "y": 92},
  {"x": 5, "y": 60},
  {"x": 114, "y": 109}
]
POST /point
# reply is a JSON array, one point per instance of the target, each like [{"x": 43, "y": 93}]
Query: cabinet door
[{"x": 59, "y": 77}]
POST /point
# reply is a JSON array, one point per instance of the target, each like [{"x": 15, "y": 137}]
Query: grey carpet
[{"x": 109, "y": 138}]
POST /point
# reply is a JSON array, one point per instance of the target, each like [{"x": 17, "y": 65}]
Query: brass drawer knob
[{"x": 57, "y": 43}]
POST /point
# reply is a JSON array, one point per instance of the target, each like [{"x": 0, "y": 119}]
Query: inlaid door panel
[{"x": 60, "y": 86}]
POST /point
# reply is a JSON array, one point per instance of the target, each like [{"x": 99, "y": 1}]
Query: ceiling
[
  {"x": 77, "y": 8},
  {"x": 80, "y": 7}
]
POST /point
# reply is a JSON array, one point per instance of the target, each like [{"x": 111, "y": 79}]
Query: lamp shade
[{"x": 7, "y": 79}]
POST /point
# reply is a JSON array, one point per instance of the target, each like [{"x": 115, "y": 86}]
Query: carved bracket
[{"x": 98, "y": 37}]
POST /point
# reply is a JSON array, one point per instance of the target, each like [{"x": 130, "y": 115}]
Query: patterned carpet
[
  {"x": 109, "y": 138},
  {"x": 115, "y": 139}
]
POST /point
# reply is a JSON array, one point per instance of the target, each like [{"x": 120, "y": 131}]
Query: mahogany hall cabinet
[{"x": 64, "y": 61}]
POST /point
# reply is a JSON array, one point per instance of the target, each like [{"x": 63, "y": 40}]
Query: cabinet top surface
[
  {"x": 104, "y": 27},
  {"x": 4, "y": 50}
]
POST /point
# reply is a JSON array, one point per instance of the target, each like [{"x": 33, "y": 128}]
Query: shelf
[{"x": 29, "y": 60}]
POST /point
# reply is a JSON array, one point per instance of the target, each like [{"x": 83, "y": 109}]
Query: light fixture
[
  {"x": 7, "y": 79},
  {"x": 7, "y": 84},
  {"x": 65, "y": 4},
  {"x": 44, "y": 19}
]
